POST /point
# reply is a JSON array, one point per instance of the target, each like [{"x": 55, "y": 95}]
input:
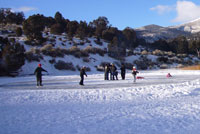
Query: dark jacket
[
  {"x": 134, "y": 72},
  {"x": 82, "y": 72},
  {"x": 113, "y": 69},
  {"x": 123, "y": 69},
  {"x": 38, "y": 71}
]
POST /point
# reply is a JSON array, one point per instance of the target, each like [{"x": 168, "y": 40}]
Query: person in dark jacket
[
  {"x": 82, "y": 73},
  {"x": 38, "y": 74},
  {"x": 106, "y": 72},
  {"x": 123, "y": 71},
  {"x": 113, "y": 71}
]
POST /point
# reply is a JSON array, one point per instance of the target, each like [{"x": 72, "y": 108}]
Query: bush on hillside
[
  {"x": 74, "y": 50},
  {"x": 53, "y": 52},
  {"x": 31, "y": 56},
  {"x": 143, "y": 63},
  {"x": 86, "y": 59},
  {"x": 94, "y": 50},
  {"x": 61, "y": 65},
  {"x": 19, "y": 31},
  {"x": 158, "y": 52},
  {"x": 52, "y": 61},
  {"x": 144, "y": 52},
  {"x": 162, "y": 59}
]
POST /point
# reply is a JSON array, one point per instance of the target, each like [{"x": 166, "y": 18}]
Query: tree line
[
  {"x": 178, "y": 45},
  {"x": 118, "y": 40},
  {"x": 100, "y": 28}
]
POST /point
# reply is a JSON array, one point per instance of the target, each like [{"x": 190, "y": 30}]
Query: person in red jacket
[
  {"x": 38, "y": 74},
  {"x": 134, "y": 72},
  {"x": 168, "y": 75}
]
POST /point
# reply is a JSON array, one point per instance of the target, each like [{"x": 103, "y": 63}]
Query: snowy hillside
[
  {"x": 57, "y": 48},
  {"x": 153, "y": 105},
  {"x": 61, "y": 42}
]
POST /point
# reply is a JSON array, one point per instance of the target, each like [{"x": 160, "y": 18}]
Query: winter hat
[{"x": 39, "y": 65}]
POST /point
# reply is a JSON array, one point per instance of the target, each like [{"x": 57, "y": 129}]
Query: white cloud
[
  {"x": 186, "y": 11},
  {"x": 24, "y": 9},
  {"x": 161, "y": 9}
]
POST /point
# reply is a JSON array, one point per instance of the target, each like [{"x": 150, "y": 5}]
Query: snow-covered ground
[{"x": 153, "y": 105}]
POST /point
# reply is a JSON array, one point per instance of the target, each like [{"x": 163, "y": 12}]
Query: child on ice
[
  {"x": 168, "y": 75},
  {"x": 134, "y": 72}
]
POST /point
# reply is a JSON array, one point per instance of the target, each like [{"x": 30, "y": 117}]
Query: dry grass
[{"x": 196, "y": 67}]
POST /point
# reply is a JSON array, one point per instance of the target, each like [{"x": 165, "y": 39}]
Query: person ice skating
[
  {"x": 38, "y": 74},
  {"x": 123, "y": 71},
  {"x": 82, "y": 73},
  {"x": 116, "y": 75},
  {"x": 107, "y": 70},
  {"x": 168, "y": 75},
  {"x": 134, "y": 72},
  {"x": 113, "y": 71}
]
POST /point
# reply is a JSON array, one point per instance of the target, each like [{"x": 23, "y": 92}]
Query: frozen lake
[{"x": 155, "y": 104}]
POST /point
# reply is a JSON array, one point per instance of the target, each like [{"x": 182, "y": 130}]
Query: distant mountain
[
  {"x": 191, "y": 27},
  {"x": 152, "y": 33}
]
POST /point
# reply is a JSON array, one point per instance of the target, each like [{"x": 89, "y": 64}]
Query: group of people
[{"x": 109, "y": 69}]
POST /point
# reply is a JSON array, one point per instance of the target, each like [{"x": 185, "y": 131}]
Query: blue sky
[{"x": 120, "y": 13}]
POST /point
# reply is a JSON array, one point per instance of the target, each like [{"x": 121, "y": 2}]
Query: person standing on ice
[
  {"x": 82, "y": 73},
  {"x": 134, "y": 72},
  {"x": 113, "y": 71},
  {"x": 38, "y": 74},
  {"x": 123, "y": 71},
  {"x": 107, "y": 69}
]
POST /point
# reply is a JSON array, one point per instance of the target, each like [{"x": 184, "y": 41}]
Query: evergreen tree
[
  {"x": 56, "y": 29},
  {"x": 100, "y": 25},
  {"x": 19, "y": 31},
  {"x": 11, "y": 56},
  {"x": 82, "y": 30},
  {"x": 71, "y": 29},
  {"x": 130, "y": 37},
  {"x": 34, "y": 26}
]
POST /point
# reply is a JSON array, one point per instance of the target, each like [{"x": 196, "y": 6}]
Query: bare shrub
[
  {"x": 52, "y": 61},
  {"x": 98, "y": 42},
  {"x": 162, "y": 59},
  {"x": 86, "y": 59},
  {"x": 143, "y": 63},
  {"x": 47, "y": 47},
  {"x": 94, "y": 50},
  {"x": 158, "y": 52},
  {"x": 74, "y": 49},
  {"x": 88, "y": 41},
  {"x": 163, "y": 66},
  {"x": 50, "y": 51},
  {"x": 144, "y": 52},
  {"x": 34, "y": 50},
  {"x": 82, "y": 43},
  {"x": 32, "y": 56},
  {"x": 61, "y": 65}
]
